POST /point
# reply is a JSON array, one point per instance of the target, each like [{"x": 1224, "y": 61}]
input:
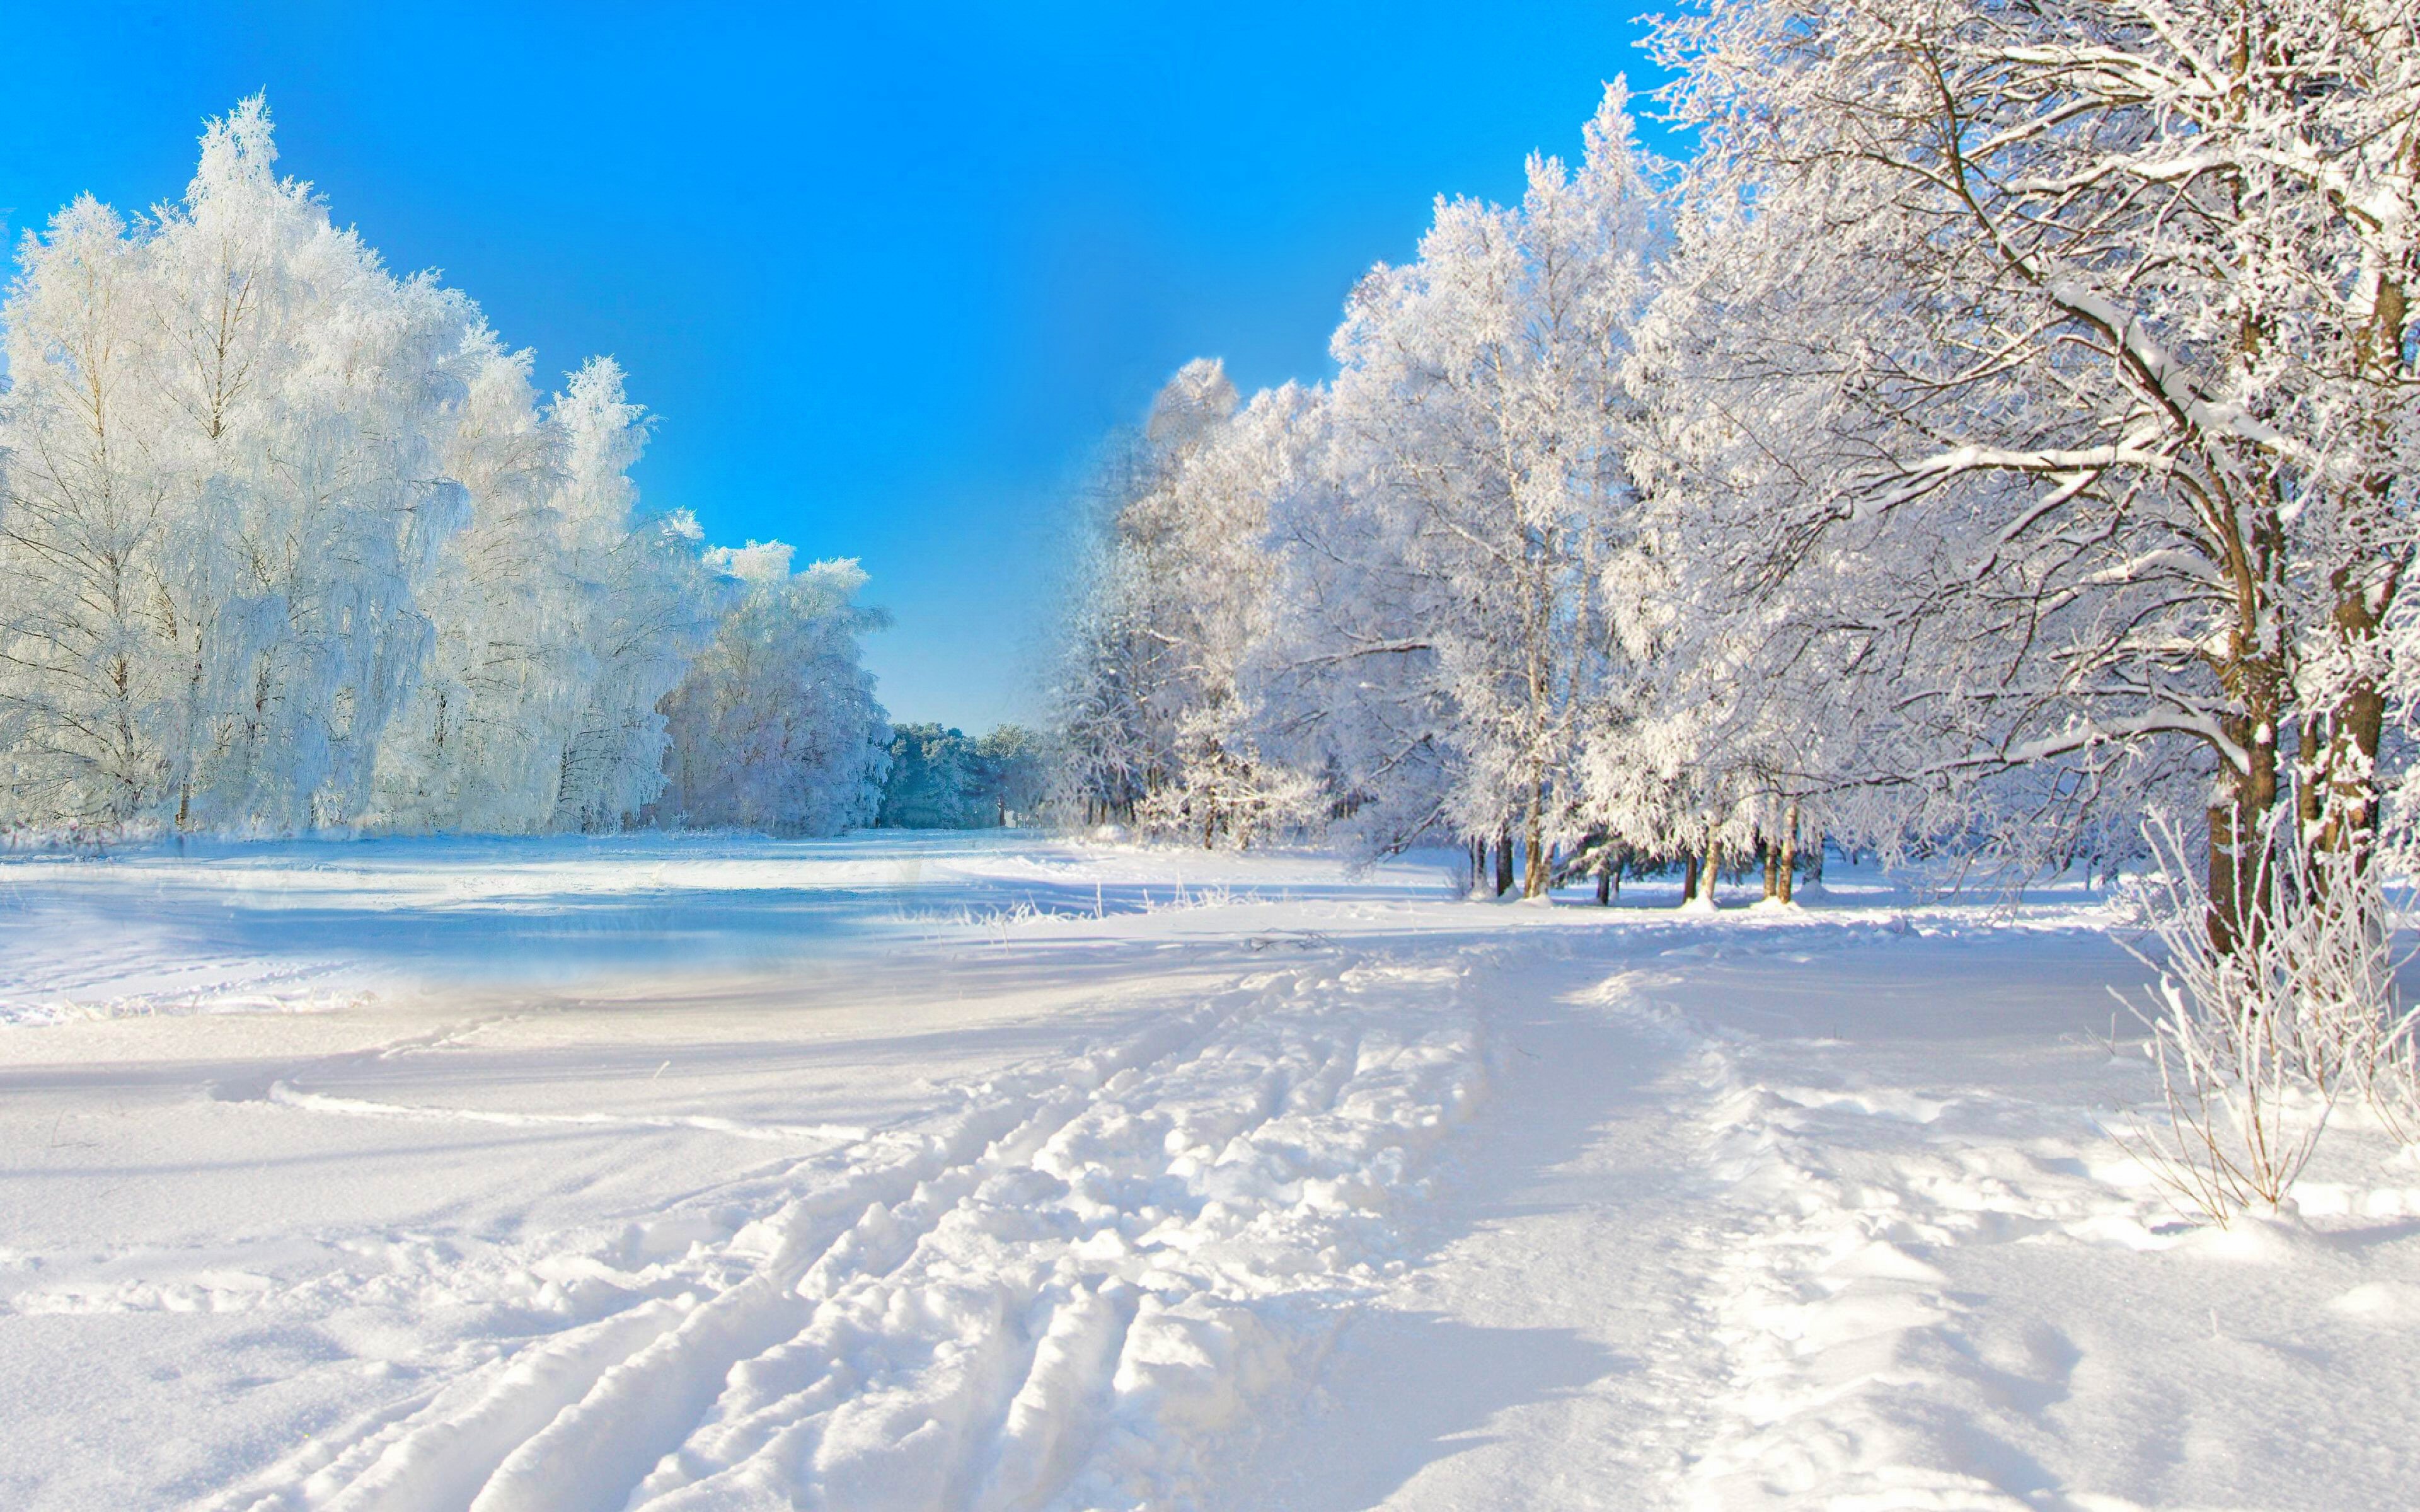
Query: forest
[{"x": 2003, "y": 427}]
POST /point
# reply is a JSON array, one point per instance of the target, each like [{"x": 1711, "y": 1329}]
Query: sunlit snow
[{"x": 990, "y": 1172}]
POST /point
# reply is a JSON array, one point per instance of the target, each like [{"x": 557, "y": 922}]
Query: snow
[{"x": 989, "y": 1172}]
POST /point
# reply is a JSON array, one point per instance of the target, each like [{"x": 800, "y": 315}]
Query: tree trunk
[
  {"x": 2240, "y": 869},
  {"x": 2230, "y": 875},
  {"x": 2354, "y": 727},
  {"x": 2365, "y": 594},
  {"x": 1714, "y": 863},
  {"x": 2309, "y": 777},
  {"x": 1689, "y": 880},
  {"x": 1788, "y": 851},
  {"x": 1604, "y": 882},
  {"x": 1503, "y": 862},
  {"x": 1772, "y": 868},
  {"x": 1537, "y": 874}
]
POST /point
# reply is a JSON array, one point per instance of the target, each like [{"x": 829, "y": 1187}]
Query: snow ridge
[{"x": 1067, "y": 1293}]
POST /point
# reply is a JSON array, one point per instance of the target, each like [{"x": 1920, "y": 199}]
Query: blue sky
[{"x": 886, "y": 274}]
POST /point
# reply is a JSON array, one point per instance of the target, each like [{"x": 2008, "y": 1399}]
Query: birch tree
[{"x": 1479, "y": 418}]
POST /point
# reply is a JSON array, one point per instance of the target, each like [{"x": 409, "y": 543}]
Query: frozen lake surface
[{"x": 990, "y": 1172}]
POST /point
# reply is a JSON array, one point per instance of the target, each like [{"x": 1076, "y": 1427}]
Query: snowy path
[
  {"x": 1735, "y": 1234},
  {"x": 1034, "y": 1178},
  {"x": 1530, "y": 1359}
]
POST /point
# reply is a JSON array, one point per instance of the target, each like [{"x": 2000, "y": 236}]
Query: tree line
[
  {"x": 290, "y": 541},
  {"x": 2002, "y": 427}
]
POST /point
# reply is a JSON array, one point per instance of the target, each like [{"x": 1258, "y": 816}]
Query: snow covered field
[{"x": 990, "y": 1173}]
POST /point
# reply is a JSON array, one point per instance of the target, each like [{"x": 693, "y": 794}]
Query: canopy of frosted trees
[
  {"x": 290, "y": 543},
  {"x": 2004, "y": 426}
]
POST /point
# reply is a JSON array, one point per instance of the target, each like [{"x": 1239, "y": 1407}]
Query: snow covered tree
[
  {"x": 1766, "y": 709},
  {"x": 222, "y": 426},
  {"x": 775, "y": 726},
  {"x": 1155, "y": 703},
  {"x": 1348, "y": 683},
  {"x": 2116, "y": 343},
  {"x": 474, "y": 745},
  {"x": 289, "y": 544},
  {"x": 641, "y": 600},
  {"x": 1380, "y": 601},
  {"x": 941, "y": 778},
  {"x": 1211, "y": 523},
  {"x": 87, "y": 690},
  {"x": 1113, "y": 689},
  {"x": 1478, "y": 421},
  {"x": 1012, "y": 773},
  {"x": 929, "y": 785},
  {"x": 561, "y": 620}
]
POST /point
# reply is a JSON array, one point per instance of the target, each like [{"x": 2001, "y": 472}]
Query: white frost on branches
[{"x": 289, "y": 543}]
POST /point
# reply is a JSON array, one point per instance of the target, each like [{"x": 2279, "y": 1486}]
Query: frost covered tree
[
  {"x": 289, "y": 542},
  {"x": 942, "y": 779},
  {"x": 642, "y": 601},
  {"x": 775, "y": 726},
  {"x": 2113, "y": 379},
  {"x": 1380, "y": 600},
  {"x": 222, "y": 430},
  {"x": 473, "y": 741},
  {"x": 1478, "y": 422},
  {"x": 1012, "y": 772},
  {"x": 1114, "y": 689},
  {"x": 929, "y": 784},
  {"x": 1213, "y": 518},
  {"x": 1767, "y": 707},
  {"x": 1156, "y": 696},
  {"x": 1350, "y": 686},
  {"x": 561, "y": 618},
  {"x": 2016, "y": 431}
]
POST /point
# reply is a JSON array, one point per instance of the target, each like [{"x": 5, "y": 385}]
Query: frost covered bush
[{"x": 2261, "y": 1032}]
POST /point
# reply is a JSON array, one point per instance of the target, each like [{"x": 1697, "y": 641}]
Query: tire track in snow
[
  {"x": 260, "y": 1086},
  {"x": 414, "y": 1462},
  {"x": 1064, "y": 1291}
]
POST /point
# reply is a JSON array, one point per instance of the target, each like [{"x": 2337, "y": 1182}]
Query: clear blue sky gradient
[{"x": 886, "y": 274}]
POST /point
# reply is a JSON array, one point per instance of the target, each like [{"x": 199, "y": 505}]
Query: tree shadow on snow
[
  {"x": 1553, "y": 1164},
  {"x": 1467, "y": 1375}
]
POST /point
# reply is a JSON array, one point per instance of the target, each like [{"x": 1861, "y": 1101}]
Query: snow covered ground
[{"x": 987, "y": 1173}]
